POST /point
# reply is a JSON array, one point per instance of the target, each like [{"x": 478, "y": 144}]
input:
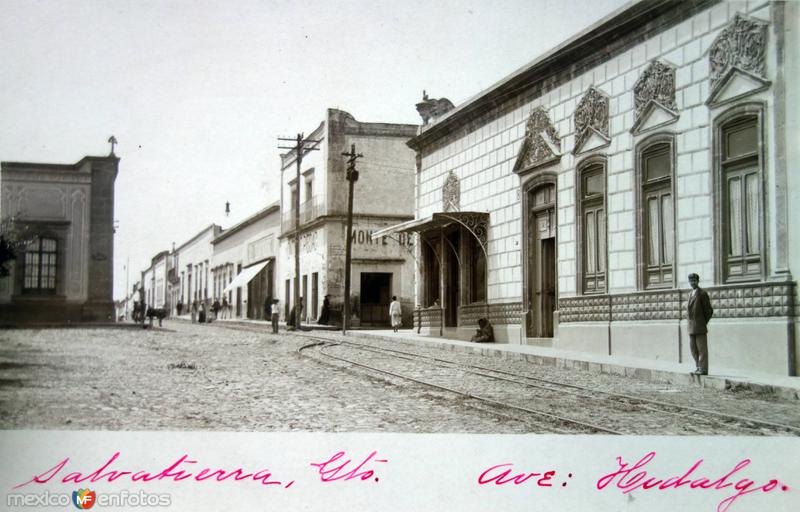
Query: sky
[{"x": 198, "y": 92}]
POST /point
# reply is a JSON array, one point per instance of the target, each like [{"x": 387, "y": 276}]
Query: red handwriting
[
  {"x": 498, "y": 477},
  {"x": 629, "y": 478},
  {"x": 334, "y": 468},
  {"x": 172, "y": 472}
]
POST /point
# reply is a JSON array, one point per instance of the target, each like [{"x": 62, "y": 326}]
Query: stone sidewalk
[
  {"x": 646, "y": 369},
  {"x": 650, "y": 370}
]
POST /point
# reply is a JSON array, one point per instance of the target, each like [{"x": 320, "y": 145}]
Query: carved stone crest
[
  {"x": 591, "y": 116},
  {"x": 541, "y": 144},
  {"x": 657, "y": 83},
  {"x": 451, "y": 194},
  {"x": 742, "y": 44}
]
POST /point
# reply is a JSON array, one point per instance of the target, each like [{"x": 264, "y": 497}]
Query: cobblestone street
[{"x": 217, "y": 377}]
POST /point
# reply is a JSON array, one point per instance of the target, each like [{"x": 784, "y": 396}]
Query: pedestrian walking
[
  {"x": 699, "y": 312},
  {"x": 325, "y": 314},
  {"x": 396, "y": 314},
  {"x": 226, "y": 308},
  {"x": 194, "y": 311},
  {"x": 201, "y": 316},
  {"x": 215, "y": 308},
  {"x": 179, "y": 307},
  {"x": 275, "y": 314}
]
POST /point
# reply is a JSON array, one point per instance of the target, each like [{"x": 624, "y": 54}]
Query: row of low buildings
[
  {"x": 251, "y": 263},
  {"x": 567, "y": 203}
]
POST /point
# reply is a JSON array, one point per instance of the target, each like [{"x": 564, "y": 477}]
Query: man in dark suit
[{"x": 699, "y": 313}]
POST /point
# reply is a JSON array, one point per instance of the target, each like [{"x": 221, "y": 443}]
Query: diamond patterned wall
[{"x": 757, "y": 300}]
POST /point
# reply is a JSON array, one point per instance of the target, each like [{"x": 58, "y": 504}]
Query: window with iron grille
[{"x": 41, "y": 264}]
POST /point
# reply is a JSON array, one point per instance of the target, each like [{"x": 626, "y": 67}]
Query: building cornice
[
  {"x": 341, "y": 219},
  {"x": 262, "y": 214},
  {"x": 606, "y": 38},
  {"x": 57, "y": 167},
  {"x": 197, "y": 236}
]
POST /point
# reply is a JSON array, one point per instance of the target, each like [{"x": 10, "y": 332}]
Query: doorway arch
[{"x": 540, "y": 254}]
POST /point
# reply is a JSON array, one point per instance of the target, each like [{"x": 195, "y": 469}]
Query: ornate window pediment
[
  {"x": 591, "y": 122},
  {"x": 737, "y": 61},
  {"x": 654, "y": 98},
  {"x": 451, "y": 194},
  {"x": 541, "y": 145}
]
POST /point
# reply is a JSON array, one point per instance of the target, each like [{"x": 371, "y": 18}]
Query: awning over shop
[
  {"x": 476, "y": 223},
  {"x": 245, "y": 276}
]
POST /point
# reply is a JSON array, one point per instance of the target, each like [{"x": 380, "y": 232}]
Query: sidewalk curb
[{"x": 720, "y": 383}]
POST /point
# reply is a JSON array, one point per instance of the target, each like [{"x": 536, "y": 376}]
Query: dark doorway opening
[
  {"x": 548, "y": 286},
  {"x": 541, "y": 264},
  {"x": 259, "y": 294},
  {"x": 238, "y": 293},
  {"x": 314, "y": 295},
  {"x": 452, "y": 284},
  {"x": 376, "y": 294}
]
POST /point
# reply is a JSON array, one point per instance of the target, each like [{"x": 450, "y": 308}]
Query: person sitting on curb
[{"x": 485, "y": 332}]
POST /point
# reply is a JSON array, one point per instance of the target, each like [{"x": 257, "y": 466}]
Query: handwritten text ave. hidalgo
[{"x": 630, "y": 478}]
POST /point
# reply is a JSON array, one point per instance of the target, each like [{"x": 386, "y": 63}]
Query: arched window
[
  {"x": 592, "y": 199},
  {"x": 741, "y": 210},
  {"x": 41, "y": 264},
  {"x": 657, "y": 248}
]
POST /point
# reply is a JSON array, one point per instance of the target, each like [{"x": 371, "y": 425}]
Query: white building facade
[
  {"x": 383, "y": 195},
  {"x": 243, "y": 264},
  {"x": 569, "y": 202},
  {"x": 192, "y": 262},
  {"x": 155, "y": 282}
]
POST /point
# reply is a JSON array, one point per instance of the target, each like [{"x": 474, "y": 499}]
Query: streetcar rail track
[
  {"x": 644, "y": 402},
  {"x": 505, "y": 405},
  {"x": 659, "y": 406}
]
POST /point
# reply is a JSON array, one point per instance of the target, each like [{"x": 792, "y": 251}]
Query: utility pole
[
  {"x": 299, "y": 148},
  {"x": 127, "y": 282},
  {"x": 352, "y": 177}
]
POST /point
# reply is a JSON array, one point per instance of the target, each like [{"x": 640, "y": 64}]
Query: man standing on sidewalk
[
  {"x": 699, "y": 312},
  {"x": 395, "y": 314},
  {"x": 275, "y": 314}
]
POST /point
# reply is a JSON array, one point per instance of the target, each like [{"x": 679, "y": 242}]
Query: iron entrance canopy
[{"x": 476, "y": 222}]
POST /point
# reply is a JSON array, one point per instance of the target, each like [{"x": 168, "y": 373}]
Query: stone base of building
[
  {"x": 795, "y": 333},
  {"x": 503, "y": 333},
  {"x": 766, "y": 342},
  {"x": 54, "y": 311},
  {"x": 98, "y": 312},
  {"x": 591, "y": 337},
  {"x": 753, "y": 345},
  {"x": 508, "y": 333},
  {"x": 40, "y": 311}
]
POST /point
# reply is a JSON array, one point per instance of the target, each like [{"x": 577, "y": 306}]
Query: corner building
[
  {"x": 383, "y": 196},
  {"x": 65, "y": 273},
  {"x": 569, "y": 202}
]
